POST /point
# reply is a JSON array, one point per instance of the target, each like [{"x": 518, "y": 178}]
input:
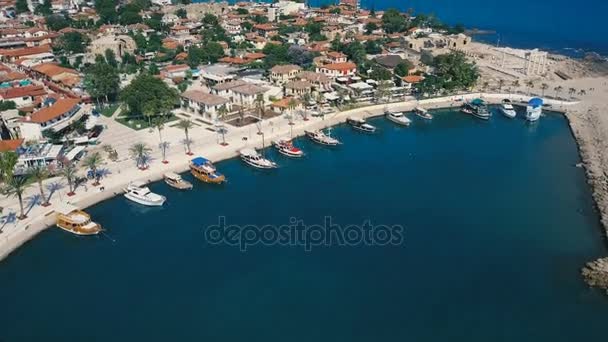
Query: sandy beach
[{"x": 206, "y": 143}]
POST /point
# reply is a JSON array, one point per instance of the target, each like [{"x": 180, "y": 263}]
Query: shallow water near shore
[{"x": 498, "y": 221}]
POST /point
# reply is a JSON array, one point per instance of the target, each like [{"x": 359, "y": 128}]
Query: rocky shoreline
[{"x": 589, "y": 130}]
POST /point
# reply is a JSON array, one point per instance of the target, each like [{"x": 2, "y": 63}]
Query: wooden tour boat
[
  {"x": 76, "y": 221},
  {"x": 176, "y": 181},
  {"x": 202, "y": 169}
]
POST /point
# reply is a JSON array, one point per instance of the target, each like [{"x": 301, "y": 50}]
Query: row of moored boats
[{"x": 78, "y": 222}]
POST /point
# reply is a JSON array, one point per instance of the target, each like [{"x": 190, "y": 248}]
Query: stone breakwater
[
  {"x": 590, "y": 129},
  {"x": 596, "y": 273}
]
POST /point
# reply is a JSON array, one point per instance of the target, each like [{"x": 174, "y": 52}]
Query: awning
[{"x": 74, "y": 153}]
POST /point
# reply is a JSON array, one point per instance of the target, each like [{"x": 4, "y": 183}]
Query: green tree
[
  {"x": 186, "y": 125},
  {"x": 110, "y": 57},
  {"x": 101, "y": 80},
  {"x": 8, "y": 160},
  {"x": 38, "y": 174},
  {"x": 6, "y": 105},
  {"x": 210, "y": 20},
  {"x": 45, "y": 8},
  {"x": 21, "y": 6},
  {"x": 141, "y": 153},
  {"x": 455, "y": 72},
  {"x": 57, "y": 22},
  {"x": 402, "y": 69},
  {"x": 181, "y": 13},
  {"x": 393, "y": 21},
  {"x": 150, "y": 91},
  {"x": 92, "y": 162},
  {"x": 69, "y": 173},
  {"x": 372, "y": 47},
  {"x": 73, "y": 42},
  {"x": 370, "y": 27},
  {"x": 16, "y": 186}
]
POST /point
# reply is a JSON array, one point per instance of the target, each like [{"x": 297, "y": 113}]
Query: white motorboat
[
  {"x": 321, "y": 138},
  {"x": 361, "y": 125},
  {"x": 253, "y": 158},
  {"x": 507, "y": 109},
  {"x": 285, "y": 147},
  {"x": 398, "y": 118},
  {"x": 138, "y": 192},
  {"x": 423, "y": 113},
  {"x": 534, "y": 109}
]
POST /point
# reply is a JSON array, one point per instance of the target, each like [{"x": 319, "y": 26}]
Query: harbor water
[{"x": 497, "y": 222}]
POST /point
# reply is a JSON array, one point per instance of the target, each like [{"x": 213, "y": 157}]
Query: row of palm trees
[{"x": 543, "y": 87}]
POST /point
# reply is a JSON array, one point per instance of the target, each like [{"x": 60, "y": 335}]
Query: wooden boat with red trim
[
  {"x": 204, "y": 170},
  {"x": 76, "y": 221}
]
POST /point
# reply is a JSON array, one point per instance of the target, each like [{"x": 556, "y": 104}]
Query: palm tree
[
  {"x": 141, "y": 153},
  {"x": 159, "y": 124},
  {"x": 501, "y": 83},
  {"x": 39, "y": 173},
  {"x": 164, "y": 146},
  {"x": 529, "y": 85},
  {"x": 582, "y": 92},
  {"x": 149, "y": 110},
  {"x": 558, "y": 90},
  {"x": 186, "y": 125},
  {"x": 571, "y": 91},
  {"x": 259, "y": 104},
  {"x": 291, "y": 106},
  {"x": 222, "y": 111},
  {"x": 485, "y": 85},
  {"x": 92, "y": 162},
  {"x": 544, "y": 87},
  {"x": 8, "y": 160},
  {"x": 69, "y": 173},
  {"x": 515, "y": 84},
  {"x": 16, "y": 186}
]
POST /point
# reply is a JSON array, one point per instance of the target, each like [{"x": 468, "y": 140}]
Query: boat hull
[
  {"x": 258, "y": 166},
  {"x": 397, "y": 121},
  {"x": 145, "y": 202},
  {"x": 508, "y": 113},
  {"x": 81, "y": 231},
  {"x": 179, "y": 186},
  {"x": 290, "y": 154}
]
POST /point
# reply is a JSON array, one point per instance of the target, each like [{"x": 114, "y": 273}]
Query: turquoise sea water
[{"x": 497, "y": 219}]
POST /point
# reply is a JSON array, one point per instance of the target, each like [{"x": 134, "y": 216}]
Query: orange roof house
[{"x": 57, "y": 111}]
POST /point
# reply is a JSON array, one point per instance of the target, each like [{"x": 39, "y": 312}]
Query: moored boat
[
  {"x": 139, "y": 193},
  {"x": 423, "y": 113},
  {"x": 286, "y": 147},
  {"x": 506, "y": 108},
  {"x": 176, "y": 181},
  {"x": 76, "y": 221},
  {"x": 321, "y": 138},
  {"x": 397, "y": 117},
  {"x": 476, "y": 108},
  {"x": 204, "y": 170},
  {"x": 534, "y": 109},
  {"x": 361, "y": 125},
  {"x": 253, "y": 158}
]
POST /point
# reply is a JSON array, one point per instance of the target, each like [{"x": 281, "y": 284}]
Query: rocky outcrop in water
[{"x": 596, "y": 273}]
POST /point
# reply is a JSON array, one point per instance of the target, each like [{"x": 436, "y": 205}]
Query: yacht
[
  {"x": 138, "y": 192},
  {"x": 253, "y": 158},
  {"x": 285, "y": 147},
  {"x": 398, "y": 118},
  {"x": 176, "y": 181},
  {"x": 361, "y": 125},
  {"x": 204, "y": 170},
  {"x": 321, "y": 138},
  {"x": 534, "y": 109},
  {"x": 423, "y": 113},
  {"x": 476, "y": 108},
  {"x": 75, "y": 221},
  {"x": 507, "y": 109}
]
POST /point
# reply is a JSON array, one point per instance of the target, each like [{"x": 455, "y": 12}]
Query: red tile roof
[
  {"x": 32, "y": 90},
  {"x": 59, "y": 108},
  {"x": 10, "y": 145}
]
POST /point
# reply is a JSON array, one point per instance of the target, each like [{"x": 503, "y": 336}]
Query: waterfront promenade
[{"x": 205, "y": 143}]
